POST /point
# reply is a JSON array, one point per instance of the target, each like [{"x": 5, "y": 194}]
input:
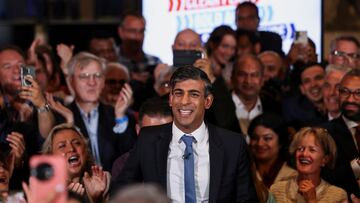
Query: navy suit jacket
[
  {"x": 111, "y": 145},
  {"x": 342, "y": 174},
  {"x": 230, "y": 175}
]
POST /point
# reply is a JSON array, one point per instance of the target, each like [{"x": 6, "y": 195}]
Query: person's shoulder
[
  {"x": 225, "y": 134},
  {"x": 334, "y": 193},
  {"x": 155, "y": 132},
  {"x": 279, "y": 187}
]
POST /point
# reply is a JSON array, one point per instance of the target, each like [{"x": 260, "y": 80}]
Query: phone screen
[
  {"x": 186, "y": 57},
  {"x": 25, "y": 71}
]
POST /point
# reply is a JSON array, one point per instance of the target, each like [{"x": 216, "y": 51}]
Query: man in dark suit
[
  {"x": 247, "y": 18},
  {"x": 111, "y": 131},
  {"x": 306, "y": 108},
  {"x": 346, "y": 132},
  {"x": 221, "y": 167},
  {"x": 235, "y": 110}
]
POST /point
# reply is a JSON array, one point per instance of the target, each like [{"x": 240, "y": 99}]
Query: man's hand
[
  {"x": 124, "y": 101},
  {"x": 33, "y": 93},
  {"x": 205, "y": 65},
  {"x": 60, "y": 108}
]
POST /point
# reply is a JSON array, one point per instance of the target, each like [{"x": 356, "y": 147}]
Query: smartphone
[
  {"x": 25, "y": 71},
  {"x": 48, "y": 174},
  {"x": 301, "y": 37},
  {"x": 186, "y": 57}
]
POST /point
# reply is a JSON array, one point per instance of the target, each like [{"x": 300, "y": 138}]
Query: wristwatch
[{"x": 45, "y": 108}]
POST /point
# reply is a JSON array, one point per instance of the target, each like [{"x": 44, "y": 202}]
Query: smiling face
[
  {"x": 310, "y": 156},
  {"x": 4, "y": 178},
  {"x": 312, "y": 80},
  {"x": 10, "y": 62},
  {"x": 264, "y": 144},
  {"x": 225, "y": 50},
  {"x": 188, "y": 102},
  {"x": 330, "y": 91},
  {"x": 70, "y": 145},
  {"x": 350, "y": 104}
]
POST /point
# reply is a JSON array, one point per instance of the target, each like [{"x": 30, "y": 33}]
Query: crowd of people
[{"x": 244, "y": 123}]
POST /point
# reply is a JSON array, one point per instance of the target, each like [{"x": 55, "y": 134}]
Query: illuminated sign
[{"x": 166, "y": 18}]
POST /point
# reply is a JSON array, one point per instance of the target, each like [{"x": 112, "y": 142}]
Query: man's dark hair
[
  {"x": 99, "y": 34},
  {"x": 308, "y": 65},
  {"x": 352, "y": 73},
  {"x": 130, "y": 13},
  {"x": 155, "y": 106},
  {"x": 248, "y": 4},
  {"x": 190, "y": 73},
  {"x": 253, "y": 37},
  {"x": 13, "y": 48}
]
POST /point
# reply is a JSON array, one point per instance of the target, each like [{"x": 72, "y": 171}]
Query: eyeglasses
[
  {"x": 87, "y": 76},
  {"x": 343, "y": 55},
  {"x": 345, "y": 93},
  {"x": 115, "y": 82}
]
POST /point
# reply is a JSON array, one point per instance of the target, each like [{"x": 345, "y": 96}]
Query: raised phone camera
[{"x": 27, "y": 71}]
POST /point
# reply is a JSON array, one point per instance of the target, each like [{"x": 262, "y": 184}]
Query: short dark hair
[
  {"x": 130, "y": 13},
  {"x": 155, "y": 106},
  {"x": 190, "y": 72},
  {"x": 13, "y": 48},
  {"x": 308, "y": 65},
  {"x": 352, "y": 73},
  {"x": 254, "y": 38},
  {"x": 248, "y": 4}
]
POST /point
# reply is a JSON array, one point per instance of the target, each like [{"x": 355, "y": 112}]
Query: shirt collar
[
  {"x": 349, "y": 123},
  {"x": 199, "y": 134},
  {"x": 238, "y": 103},
  {"x": 93, "y": 111}
]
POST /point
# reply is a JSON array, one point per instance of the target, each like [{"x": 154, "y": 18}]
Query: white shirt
[
  {"x": 175, "y": 165},
  {"x": 243, "y": 114}
]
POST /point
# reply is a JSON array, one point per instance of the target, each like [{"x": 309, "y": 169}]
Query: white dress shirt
[
  {"x": 243, "y": 115},
  {"x": 352, "y": 127},
  {"x": 175, "y": 165}
]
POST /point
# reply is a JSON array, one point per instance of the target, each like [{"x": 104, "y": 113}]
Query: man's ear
[{"x": 208, "y": 101}]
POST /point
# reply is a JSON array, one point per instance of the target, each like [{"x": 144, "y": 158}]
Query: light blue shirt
[{"x": 91, "y": 121}]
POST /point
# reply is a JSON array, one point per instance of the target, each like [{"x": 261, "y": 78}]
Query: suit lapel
[
  {"x": 216, "y": 162},
  {"x": 162, "y": 150},
  {"x": 78, "y": 119},
  {"x": 349, "y": 142}
]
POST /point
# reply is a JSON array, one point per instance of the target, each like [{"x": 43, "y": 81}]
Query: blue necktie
[{"x": 190, "y": 194}]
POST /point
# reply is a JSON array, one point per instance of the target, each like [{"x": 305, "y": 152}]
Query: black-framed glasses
[
  {"x": 354, "y": 56},
  {"x": 345, "y": 93}
]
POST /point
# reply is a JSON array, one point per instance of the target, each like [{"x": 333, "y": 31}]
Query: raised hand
[
  {"x": 33, "y": 93},
  {"x": 77, "y": 188},
  {"x": 65, "y": 52},
  {"x": 95, "y": 185},
  {"x": 307, "y": 189},
  {"x": 17, "y": 144},
  {"x": 60, "y": 108},
  {"x": 124, "y": 101}
]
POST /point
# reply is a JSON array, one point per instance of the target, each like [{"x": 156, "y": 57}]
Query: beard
[
  {"x": 350, "y": 114},
  {"x": 133, "y": 45}
]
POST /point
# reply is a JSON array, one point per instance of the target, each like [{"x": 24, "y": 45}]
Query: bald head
[{"x": 187, "y": 39}]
